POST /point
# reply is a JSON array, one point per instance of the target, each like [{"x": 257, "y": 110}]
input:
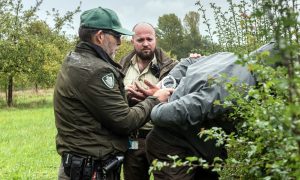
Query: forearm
[{"x": 188, "y": 110}]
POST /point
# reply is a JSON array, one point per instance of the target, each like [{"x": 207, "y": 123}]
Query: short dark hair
[{"x": 86, "y": 34}]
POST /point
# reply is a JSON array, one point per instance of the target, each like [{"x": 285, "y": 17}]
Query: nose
[{"x": 145, "y": 43}]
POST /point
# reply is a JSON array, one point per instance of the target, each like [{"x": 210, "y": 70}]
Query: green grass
[{"x": 27, "y": 138}]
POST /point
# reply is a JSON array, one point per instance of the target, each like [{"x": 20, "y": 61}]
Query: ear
[
  {"x": 131, "y": 40},
  {"x": 99, "y": 37}
]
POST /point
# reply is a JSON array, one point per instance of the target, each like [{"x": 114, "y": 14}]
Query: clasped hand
[{"x": 137, "y": 93}]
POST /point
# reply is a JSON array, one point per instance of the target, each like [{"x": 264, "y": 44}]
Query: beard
[{"x": 145, "y": 55}]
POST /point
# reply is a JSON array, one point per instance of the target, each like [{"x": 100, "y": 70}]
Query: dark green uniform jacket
[
  {"x": 91, "y": 111},
  {"x": 165, "y": 64}
]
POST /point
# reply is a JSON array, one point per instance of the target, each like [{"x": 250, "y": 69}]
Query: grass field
[{"x": 27, "y": 137}]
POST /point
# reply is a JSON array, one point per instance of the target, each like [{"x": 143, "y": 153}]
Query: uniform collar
[{"x": 98, "y": 51}]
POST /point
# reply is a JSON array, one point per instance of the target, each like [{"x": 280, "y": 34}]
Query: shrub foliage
[{"x": 266, "y": 144}]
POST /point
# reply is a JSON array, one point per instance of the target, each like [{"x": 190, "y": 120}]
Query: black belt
[{"x": 78, "y": 167}]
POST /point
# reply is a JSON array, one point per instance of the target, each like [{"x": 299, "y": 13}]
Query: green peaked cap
[{"x": 103, "y": 18}]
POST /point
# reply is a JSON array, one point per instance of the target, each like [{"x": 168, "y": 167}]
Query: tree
[
  {"x": 170, "y": 34},
  {"x": 48, "y": 49},
  {"x": 192, "y": 38},
  {"x": 124, "y": 49},
  {"x": 181, "y": 40},
  {"x": 12, "y": 44},
  {"x": 21, "y": 47}
]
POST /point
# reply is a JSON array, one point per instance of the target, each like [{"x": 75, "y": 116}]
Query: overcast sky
[{"x": 130, "y": 12}]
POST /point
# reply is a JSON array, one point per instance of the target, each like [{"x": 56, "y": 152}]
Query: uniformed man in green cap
[{"x": 92, "y": 115}]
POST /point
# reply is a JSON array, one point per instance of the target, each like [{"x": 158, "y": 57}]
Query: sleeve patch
[{"x": 109, "y": 80}]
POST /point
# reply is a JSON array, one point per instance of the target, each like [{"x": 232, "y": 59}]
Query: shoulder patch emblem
[{"x": 109, "y": 80}]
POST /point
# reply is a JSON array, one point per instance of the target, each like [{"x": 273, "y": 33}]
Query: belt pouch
[
  {"x": 67, "y": 161},
  {"x": 88, "y": 169},
  {"x": 76, "y": 168}
]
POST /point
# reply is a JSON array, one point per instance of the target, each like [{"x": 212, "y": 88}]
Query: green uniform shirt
[{"x": 91, "y": 111}]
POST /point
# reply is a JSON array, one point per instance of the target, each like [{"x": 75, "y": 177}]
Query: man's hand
[
  {"x": 163, "y": 94},
  {"x": 195, "y": 55},
  {"x": 137, "y": 93},
  {"x": 152, "y": 88},
  {"x": 129, "y": 89},
  {"x": 133, "y": 95}
]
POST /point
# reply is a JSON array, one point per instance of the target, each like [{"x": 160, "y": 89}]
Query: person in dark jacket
[
  {"x": 190, "y": 109},
  {"x": 92, "y": 115},
  {"x": 145, "y": 62}
]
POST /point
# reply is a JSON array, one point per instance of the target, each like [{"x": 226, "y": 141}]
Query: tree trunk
[
  {"x": 10, "y": 91},
  {"x": 36, "y": 88},
  {"x": 5, "y": 89}
]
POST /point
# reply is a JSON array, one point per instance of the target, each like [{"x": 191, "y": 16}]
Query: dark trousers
[
  {"x": 158, "y": 149},
  {"x": 135, "y": 164}
]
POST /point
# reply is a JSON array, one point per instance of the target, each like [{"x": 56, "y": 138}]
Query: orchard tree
[
  {"x": 48, "y": 49},
  {"x": 124, "y": 49},
  {"x": 170, "y": 34},
  {"x": 23, "y": 43},
  {"x": 13, "y": 44},
  {"x": 181, "y": 40},
  {"x": 192, "y": 38}
]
